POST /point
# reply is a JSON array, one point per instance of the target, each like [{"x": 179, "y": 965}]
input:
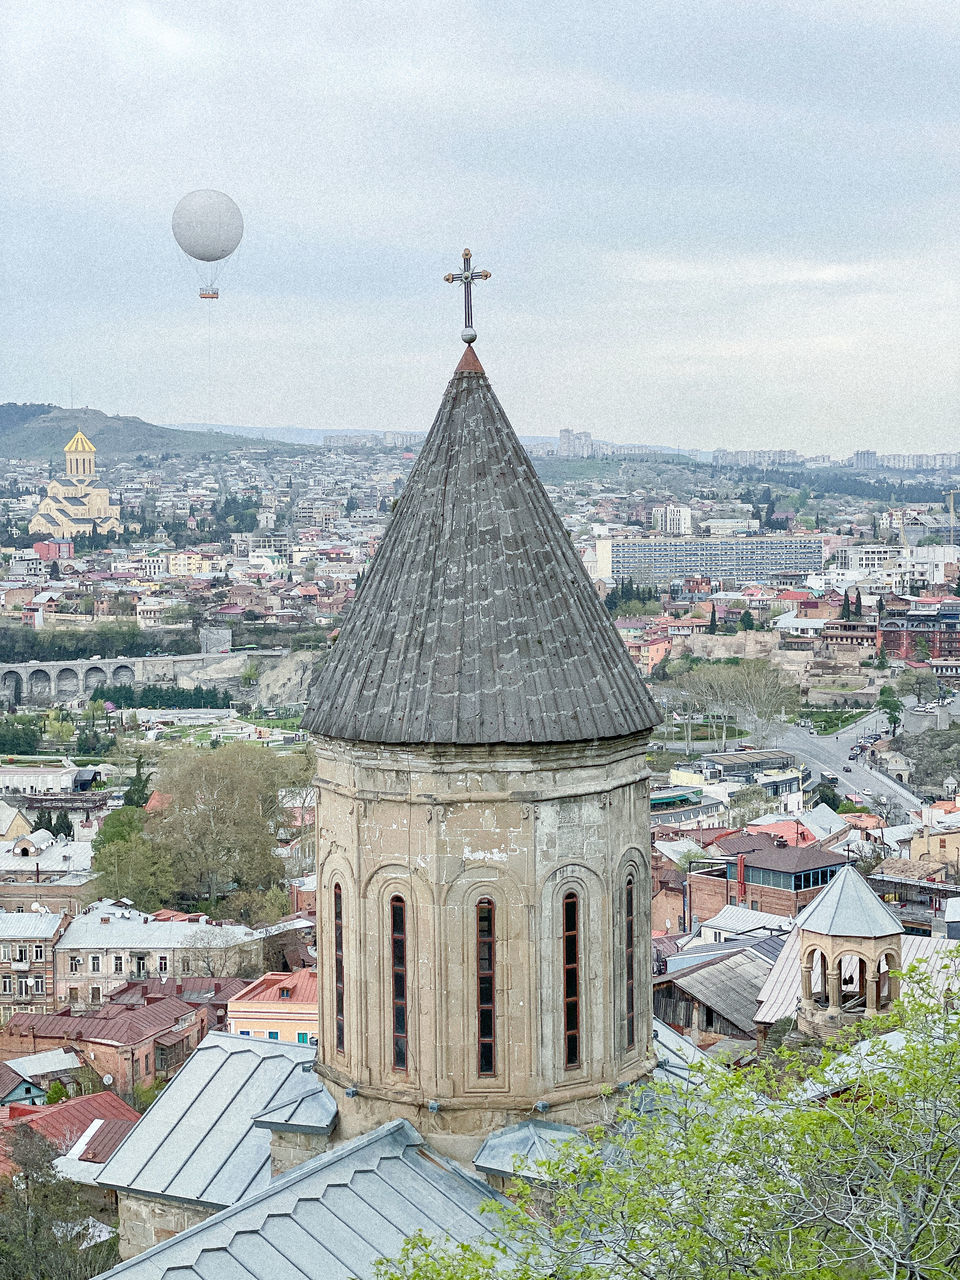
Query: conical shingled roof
[
  {"x": 477, "y": 622},
  {"x": 79, "y": 444},
  {"x": 848, "y": 908}
]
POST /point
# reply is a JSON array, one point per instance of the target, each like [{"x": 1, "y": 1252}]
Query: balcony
[{"x": 20, "y": 966}]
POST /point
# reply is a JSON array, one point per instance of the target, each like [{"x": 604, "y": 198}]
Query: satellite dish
[
  {"x": 35, "y": 906},
  {"x": 208, "y": 226},
  {"x": 108, "y": 1079}
]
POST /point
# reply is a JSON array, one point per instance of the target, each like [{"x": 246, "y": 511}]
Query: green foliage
[
  {"x": 890, "y": 705},
  {"x": 62, "y": 826},
  {"x": 18, "y": 736},
  {"x": 161, "y": 697},
  {"x": 139, "y": 790},
  {"x": 119, "y": 824},
  {"x": 712, "y": 628},
  {"x": 109, "y": 640},
  {"x": 845, "y": 607},
  {"x": 774, "y": 1173},
  {"x": 43, "y": 821},
  {"x": 746, "y": 622},
  {"x": 56, "y": 1093},
  {"x": 41, "y": 1219}
]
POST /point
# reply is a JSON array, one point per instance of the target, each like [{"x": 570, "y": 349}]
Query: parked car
[{"x": 847, "y": 769}]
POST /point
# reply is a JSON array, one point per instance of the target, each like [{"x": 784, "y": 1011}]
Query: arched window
[
  {"x": 571, "y": 980},
  {"x": 486, "y": 991},
  {"x": 338, "y": 963},
  {"x": 398, "y": 964},
  {"x": 629, "y": 937}
]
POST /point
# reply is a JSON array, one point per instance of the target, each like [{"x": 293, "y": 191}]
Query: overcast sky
[{"x": 722, "y": 223}]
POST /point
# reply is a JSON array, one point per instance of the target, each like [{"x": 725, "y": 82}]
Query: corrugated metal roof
[
  {"x": 734, "y": 919},
  {"x": 315, "y": 1112},
  {"x": 848, "y": 908},
  {"x": 730, "y": 986},
  {"x": 477, "y": 621},
  {"x": 198, "y": 1141},
  {"x": 331, "y": 1218},
  {"x": 42, "y": 1064}
]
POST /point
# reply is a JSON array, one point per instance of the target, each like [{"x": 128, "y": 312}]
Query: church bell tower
[{"x": 483, "y": 886}]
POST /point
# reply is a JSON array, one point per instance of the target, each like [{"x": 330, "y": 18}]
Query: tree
[
  {"x": 136, "y": 868},
  {"x": 858, "y": 605},
  {"x": 55, "y": 574},
  {"x": 883, "y": 661},
  {"x": 845, "y": 607},
  {"x": 42, "y": 1219},
  {"x": 62, "y": 825},
  {"x": 712, "y": 628},
  {"x": 220, "y": 830},
  {"x": 891, "y": 706},
  {"x": 922, "y": 649},
  {"x": 746, "y": 621},
  {"x": 139, "y": 790},
  {"x": 43, "y": 821},
  {"x": 853, "y": 1175}
]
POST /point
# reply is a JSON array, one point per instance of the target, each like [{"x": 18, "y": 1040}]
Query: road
[{"x": 830, "y": 752}]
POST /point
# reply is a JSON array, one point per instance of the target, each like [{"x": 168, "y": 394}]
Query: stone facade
[
  {"x": 444, "y": 829},
  {"x": 857, "y": 979},
  {"x": 289, "y": 1148},
  {"x": 145, "y": 1222}
]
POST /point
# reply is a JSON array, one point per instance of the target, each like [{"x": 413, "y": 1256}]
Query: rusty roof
[{"x": 477, "y": 622}]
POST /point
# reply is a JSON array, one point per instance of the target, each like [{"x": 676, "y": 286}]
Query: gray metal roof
[
  {"x": 477, "y": 621},
  {"x": 848, "y": 908},
  {"x": 142, "y": 930},
  {"x": 29, "y": 924},
  {"x": 519, "y": 1148},
  {"x": 331, "y": 1218},
  {"x": 198, "y": 1141}
]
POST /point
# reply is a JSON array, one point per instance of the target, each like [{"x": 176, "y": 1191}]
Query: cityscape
[{"x": 479, "y": 734}]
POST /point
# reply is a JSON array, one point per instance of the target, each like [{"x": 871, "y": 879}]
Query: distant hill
[{"x": 41, "y": 431}]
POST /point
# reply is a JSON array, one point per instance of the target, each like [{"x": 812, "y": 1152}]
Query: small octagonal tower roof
[{"x": 848, "y": 908}]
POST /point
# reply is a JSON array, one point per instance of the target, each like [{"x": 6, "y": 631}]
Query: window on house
[
  {"x": 284, "y": 993},
  {"x": 39, "y": 985},
  {"x": 338, "y": 998},
  {"x": 571, "y": 980},
  {"x": 23, "y": 988},
  {"x": 486, "y": 988},
  {"x": 73, "y": 995},
  {"x": 5, "y": 951},
  {"x": 303, "y": 1037},
  {"x": 75, "y": 964},
  {"x": 94, "y": 964},
  {"x": 140, "y": 964},
  {"x": 118, "y": 964},
  {"x": 244, "y": 1033},
  {"x": 398, "y": 966},
  {"x": 754, "y": 905},
  {"x": 38, "y": 952},
  {"x": 629, "y": 936},
  {"x": 185, "y": 964},
  {"x": 162, "y": 964},
  {"x": 273, "y": 1035},
  {"x": 95, "y": 995},
  {"x": 7, "y": 987},
  {"x": 21, "y": 956}
]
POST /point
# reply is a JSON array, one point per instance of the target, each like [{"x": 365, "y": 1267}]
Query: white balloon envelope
[{"x": 207, "y": 225}]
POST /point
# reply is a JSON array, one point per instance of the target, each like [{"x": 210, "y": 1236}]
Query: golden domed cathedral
[{"x": 75, "y": 503}]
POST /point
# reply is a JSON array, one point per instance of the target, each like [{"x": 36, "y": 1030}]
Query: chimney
[{"x": 104, "y": 919}]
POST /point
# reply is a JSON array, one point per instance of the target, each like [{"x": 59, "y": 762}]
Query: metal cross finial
[{"x": 466, "y": 277}]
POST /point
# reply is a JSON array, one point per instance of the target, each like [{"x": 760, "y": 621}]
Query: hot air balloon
[{"x": 208, "y": 226}]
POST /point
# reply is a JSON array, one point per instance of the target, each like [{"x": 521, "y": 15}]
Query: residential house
[
  {"x": 111, "y": 944},
  {"x": 761, "y": 873},
  {"x": 28, "y": 941},
  {"x": 209, "y": 996},
  {"x": 47, "y": 870},
  {"x": 126, "y": 1047},
  {"x": 278, "y": 1006}
]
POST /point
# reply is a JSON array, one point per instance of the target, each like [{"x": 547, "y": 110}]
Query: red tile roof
[
  {"x": 113, "y": 1024},
  {"x": 301, "y": 984},
  {"x": 65, "y": 1122}
]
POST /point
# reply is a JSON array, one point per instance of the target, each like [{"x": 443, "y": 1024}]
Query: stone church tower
[{"x": 483, "y": 891}]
